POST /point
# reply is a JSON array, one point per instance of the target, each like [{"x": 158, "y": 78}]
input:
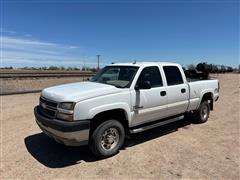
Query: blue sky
[{"x": 71, "y": 33}]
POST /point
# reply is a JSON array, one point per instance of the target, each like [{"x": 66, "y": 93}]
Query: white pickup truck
[{"x": 119, "y": 100}]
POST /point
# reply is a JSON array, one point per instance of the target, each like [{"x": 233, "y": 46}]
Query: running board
[{"x": 144, "y": 128}]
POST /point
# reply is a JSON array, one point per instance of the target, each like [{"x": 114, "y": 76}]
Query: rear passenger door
[{"x": 177, "y": 90}]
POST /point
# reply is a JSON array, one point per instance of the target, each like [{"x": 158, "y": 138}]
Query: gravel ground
[
  {"x": 30, "y": 84},
  {"x": 178, "y": 150}
]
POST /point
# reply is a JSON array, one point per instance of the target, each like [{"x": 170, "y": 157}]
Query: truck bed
[{"x": 197, "y": 87}]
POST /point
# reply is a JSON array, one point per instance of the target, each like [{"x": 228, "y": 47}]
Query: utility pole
[
  {"x": 98, "y": 56},
  {"x": 83, "y": 69}
]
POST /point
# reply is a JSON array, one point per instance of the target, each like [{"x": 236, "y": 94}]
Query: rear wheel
[
  {"x": 107, "y": 139},
  {"x": 202, "y": 114}
]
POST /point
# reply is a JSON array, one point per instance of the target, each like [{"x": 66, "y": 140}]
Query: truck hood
[{"x": 74, "y": 92}]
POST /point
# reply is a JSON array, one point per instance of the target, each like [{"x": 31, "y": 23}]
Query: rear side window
[
  {"x": 173, "y": 75},
  {"x": 152, "y": 75}
]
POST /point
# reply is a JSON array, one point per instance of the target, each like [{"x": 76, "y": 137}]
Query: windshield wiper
[
  {"x": 103, "y": 82},
  {"x": 117, "y": 86}
]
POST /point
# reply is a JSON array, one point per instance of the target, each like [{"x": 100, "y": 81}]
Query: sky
[{"x": 71, "y": 33}]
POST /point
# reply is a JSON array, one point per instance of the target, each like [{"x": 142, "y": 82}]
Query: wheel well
[
  {"x": 116, "y": 114},
  {"x": 208, "y": 97}
]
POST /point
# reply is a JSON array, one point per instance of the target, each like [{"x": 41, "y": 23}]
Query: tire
[
  {"x": 107, "y": 139},
  {"x": 202, "y": 114}
]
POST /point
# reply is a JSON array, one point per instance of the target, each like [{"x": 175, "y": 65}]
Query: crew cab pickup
[{"x": 119, "y": 100}]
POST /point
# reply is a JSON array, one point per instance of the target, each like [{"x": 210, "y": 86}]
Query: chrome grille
[{"x": 48, "y": 107}]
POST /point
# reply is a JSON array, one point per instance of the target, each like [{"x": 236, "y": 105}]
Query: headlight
[
  {"x": 65, "y": 111},
  {"x": 66, "y": 105}
]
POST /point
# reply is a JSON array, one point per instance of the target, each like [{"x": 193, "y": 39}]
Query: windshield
[{"x": 118, "y": 76}]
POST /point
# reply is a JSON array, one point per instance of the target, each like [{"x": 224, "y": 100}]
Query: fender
[
  {"x": 203, "y": 93},
  {"x": 96, "y": 110},
  {"x": 89, "y": 108}
]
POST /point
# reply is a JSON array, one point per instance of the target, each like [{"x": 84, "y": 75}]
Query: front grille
[
  {"x": 48, "y": 108},
  {"x": 49, "y": 102},
  {"x": 47, "y": 113}
]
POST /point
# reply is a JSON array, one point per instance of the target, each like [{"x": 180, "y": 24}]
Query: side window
[
  {"x": 152, "y": 75},
  {"x": 173, "y": 75}
]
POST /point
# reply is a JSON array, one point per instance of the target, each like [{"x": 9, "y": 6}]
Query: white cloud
[
  {"x": 27, "y": 35},
  {"x": 39, "y": 62},
  {"x": 73, "y": 47},
  {"x": 6, "y": 40},
  {"x": 31, "y": 59},
  {"x": 8, "y": 31},
  {"x": 25, "y": 51}
]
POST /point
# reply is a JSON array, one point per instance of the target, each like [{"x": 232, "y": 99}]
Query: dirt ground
[
  {"x": 30, "y": 84},
  {"x": 179, "y": 150}
]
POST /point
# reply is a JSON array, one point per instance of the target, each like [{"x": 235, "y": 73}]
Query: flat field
[
  {"x": 31, "y": 84},
  {"x": 18, "y": 81},
  {"x": 178, "y": 150}
]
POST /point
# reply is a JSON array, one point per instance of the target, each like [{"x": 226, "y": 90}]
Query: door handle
[
  {"x": 137, "y": 107},
  {"x": 183, "y": 90},
  {"x": 163, "y": 93}
]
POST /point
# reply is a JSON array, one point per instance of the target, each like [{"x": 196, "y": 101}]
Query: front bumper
[{"x": 74, "y": 133}]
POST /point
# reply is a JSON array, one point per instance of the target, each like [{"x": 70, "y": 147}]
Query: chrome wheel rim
[
  {"x": 110, "y": 139},
  {"x": 204, "y": 112}
]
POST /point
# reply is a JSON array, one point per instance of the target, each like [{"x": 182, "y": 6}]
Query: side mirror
[{"x": 143, "y": 85}]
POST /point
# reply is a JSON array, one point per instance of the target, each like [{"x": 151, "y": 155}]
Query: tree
[{"x": 53, "y": 68}]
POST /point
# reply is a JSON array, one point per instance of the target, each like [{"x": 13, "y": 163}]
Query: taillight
[{"x": 216, "y": 90}]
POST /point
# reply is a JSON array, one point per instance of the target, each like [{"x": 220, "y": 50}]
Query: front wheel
[
  {"x": 107, "y": 139},
  {"x": 203, "y": 112}
]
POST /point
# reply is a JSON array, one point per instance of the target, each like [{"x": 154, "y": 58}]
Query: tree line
[
  {"x": 60, "y": 68},
  {"x": 212, "y": 68}
]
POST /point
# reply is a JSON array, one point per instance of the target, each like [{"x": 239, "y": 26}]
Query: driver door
[{"x": 149, "y": 104}]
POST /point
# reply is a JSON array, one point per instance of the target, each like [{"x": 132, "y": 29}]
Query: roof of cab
[{"x": 143, "y": 64}]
